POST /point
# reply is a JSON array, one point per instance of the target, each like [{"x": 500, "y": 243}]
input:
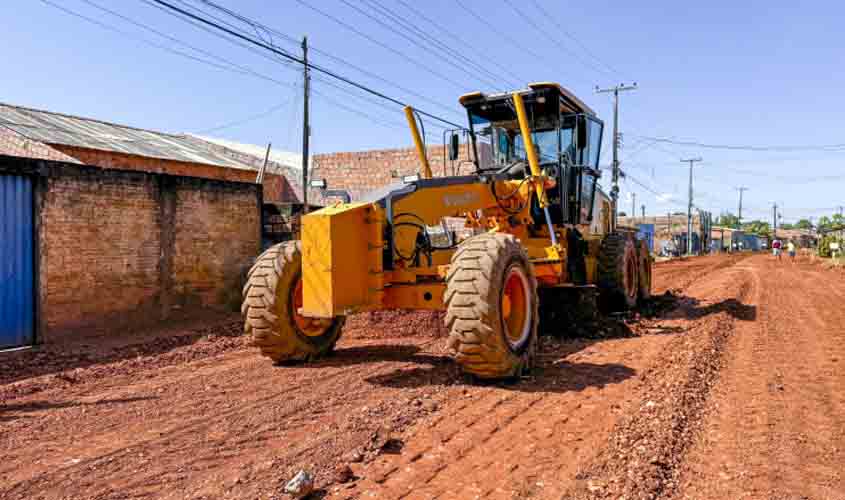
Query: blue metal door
[{"x": 17, "y": 291}]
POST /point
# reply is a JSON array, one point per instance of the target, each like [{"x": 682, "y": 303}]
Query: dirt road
[{"x": 736, "y": 392}]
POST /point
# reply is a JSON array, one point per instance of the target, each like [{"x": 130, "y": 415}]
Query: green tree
[
  {"x": 804, "y": 224},
  {"x": 824, "y": 222},
  {"x": 757, "y": 227},
  {"x": 727, "y": 220}
]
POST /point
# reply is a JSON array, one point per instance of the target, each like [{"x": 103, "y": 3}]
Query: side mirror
[{"x": 454, "y": 147}]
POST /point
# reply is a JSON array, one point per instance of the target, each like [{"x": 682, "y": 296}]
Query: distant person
[
  {"x": 776, "y": 247},
  {"x": 790, "y": 247}
]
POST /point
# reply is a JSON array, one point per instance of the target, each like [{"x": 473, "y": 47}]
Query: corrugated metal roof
[
  {"x": 67, "y": 130},
  {"x": 286, "y": 158}
]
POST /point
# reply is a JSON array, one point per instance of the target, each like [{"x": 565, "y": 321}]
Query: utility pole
[
  {"x": 774, "y": 220},
  {"x": 643, "y": 207},
  {"x": 614, "y": 191},
  {"x": 306, "y": 126},
  {"x": 669, "y": 224},
  {"x": 689, "y": 204},
  {"x": 739, "y": 216},
  {"x": 633, "y": 208}
]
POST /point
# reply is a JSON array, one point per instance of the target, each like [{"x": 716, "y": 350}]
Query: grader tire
[
  {"x": 644, "y": 266},
  {"x": 271, "y": 298},
  {"x": 492, "y": 306},
  {"x": 618, "y": 274}
]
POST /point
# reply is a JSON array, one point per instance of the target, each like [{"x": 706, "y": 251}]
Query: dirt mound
[{"x": 392, "y": 324}]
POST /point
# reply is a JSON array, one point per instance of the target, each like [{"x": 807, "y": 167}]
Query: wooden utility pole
[
  {"x": 306, "y": 126},
  {"x": 259, "y": 179}
]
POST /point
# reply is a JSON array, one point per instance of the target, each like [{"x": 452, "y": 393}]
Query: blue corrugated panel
[
  {"x": 17, "y": 316},
  {"x": 646, "y": 232}
]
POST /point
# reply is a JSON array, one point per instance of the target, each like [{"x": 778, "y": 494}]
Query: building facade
[{"x": 106, "y": 228}]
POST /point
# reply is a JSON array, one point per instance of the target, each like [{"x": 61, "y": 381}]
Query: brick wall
[
  {"x": 276, "y": 187},
  {"x": 124, "y": 249},
  {"x": 362, "y": 171},
  {"x": 214, "y": 242},
  {"x": 100, "y": 248}
]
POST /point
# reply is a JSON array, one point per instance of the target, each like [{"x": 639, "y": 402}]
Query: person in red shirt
[{"x": 776, "y": 248}]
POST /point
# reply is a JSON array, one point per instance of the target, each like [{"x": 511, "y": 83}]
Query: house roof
[{"x": 68, "y": 130}]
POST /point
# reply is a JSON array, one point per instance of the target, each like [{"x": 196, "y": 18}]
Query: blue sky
[{"x": 725, "y": 73}]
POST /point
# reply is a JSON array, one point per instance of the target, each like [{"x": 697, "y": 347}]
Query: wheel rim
[
  {"x": 630, "y": 277},
  {"x": 310, "y": 327},
  {"x": 516, "y": 309}
]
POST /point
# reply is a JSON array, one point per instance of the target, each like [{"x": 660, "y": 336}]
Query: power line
[
  {"x": 228, "y": 66},
  {"x": 297, "y": 59},
  {"x": 826, "y": 147},
  {"x": 458, "y": 60},
  {"x": 126, "y": 34},
  {"x": 572, "y": 37},
  {"x": 372, "y": 101},
  {"x": 380, "y": 44},
  {"x": 269, "y": 56},
  {"x": 557, "y": 42},
  {"x": 239, "y": 68},
  {"x": 247, "y": 119},
  {"x": 257, "y": 25},
  {"x": 412, "y": 41},
  {"x": 502, "y": 34},
  {"x": 438, "y": 26}
]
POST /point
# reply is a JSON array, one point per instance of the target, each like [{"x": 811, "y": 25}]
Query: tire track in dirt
[
  {"x": 642, "y": 456},
  {"x": 775, "y": 425},
  {"x": 196, "y": 422},
  {"x": 311, "y": 393},
  {"x": 531, "y": 446}
]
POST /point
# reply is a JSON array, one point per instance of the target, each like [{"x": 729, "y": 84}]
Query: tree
[
  {"x": 727, "y": 220},
  {"x": 824, "y": 222},
  {"x": 757, "y": 227},
  {"x": 804, "y": 224}
]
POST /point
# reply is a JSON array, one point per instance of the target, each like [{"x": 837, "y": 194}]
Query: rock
[
  {"x": 430, "y": 406},
  {"x": 343, "y": 474},
  {"x": 354, "y": 456},
  {"x": 301, "y": 485}
]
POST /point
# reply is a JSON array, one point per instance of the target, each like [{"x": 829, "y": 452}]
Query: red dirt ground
[{"x": 736, "y": 391}]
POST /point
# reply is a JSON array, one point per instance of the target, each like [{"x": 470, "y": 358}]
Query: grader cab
[{"x": 538, "y": 221}]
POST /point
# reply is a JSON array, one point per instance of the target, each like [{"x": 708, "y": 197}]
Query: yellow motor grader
[{"x": 538, "y": 224}]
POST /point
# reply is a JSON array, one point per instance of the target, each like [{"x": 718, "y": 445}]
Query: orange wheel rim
[
  {"x": 630, "y": 277},
  {"x": 310, "y": 327},
  {"x": 516, "y": 311}
]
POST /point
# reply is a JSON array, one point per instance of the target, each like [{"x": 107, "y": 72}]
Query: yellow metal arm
[
  {"x": 528, "y": 140},
  {"x": 418, "y": 142}
]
